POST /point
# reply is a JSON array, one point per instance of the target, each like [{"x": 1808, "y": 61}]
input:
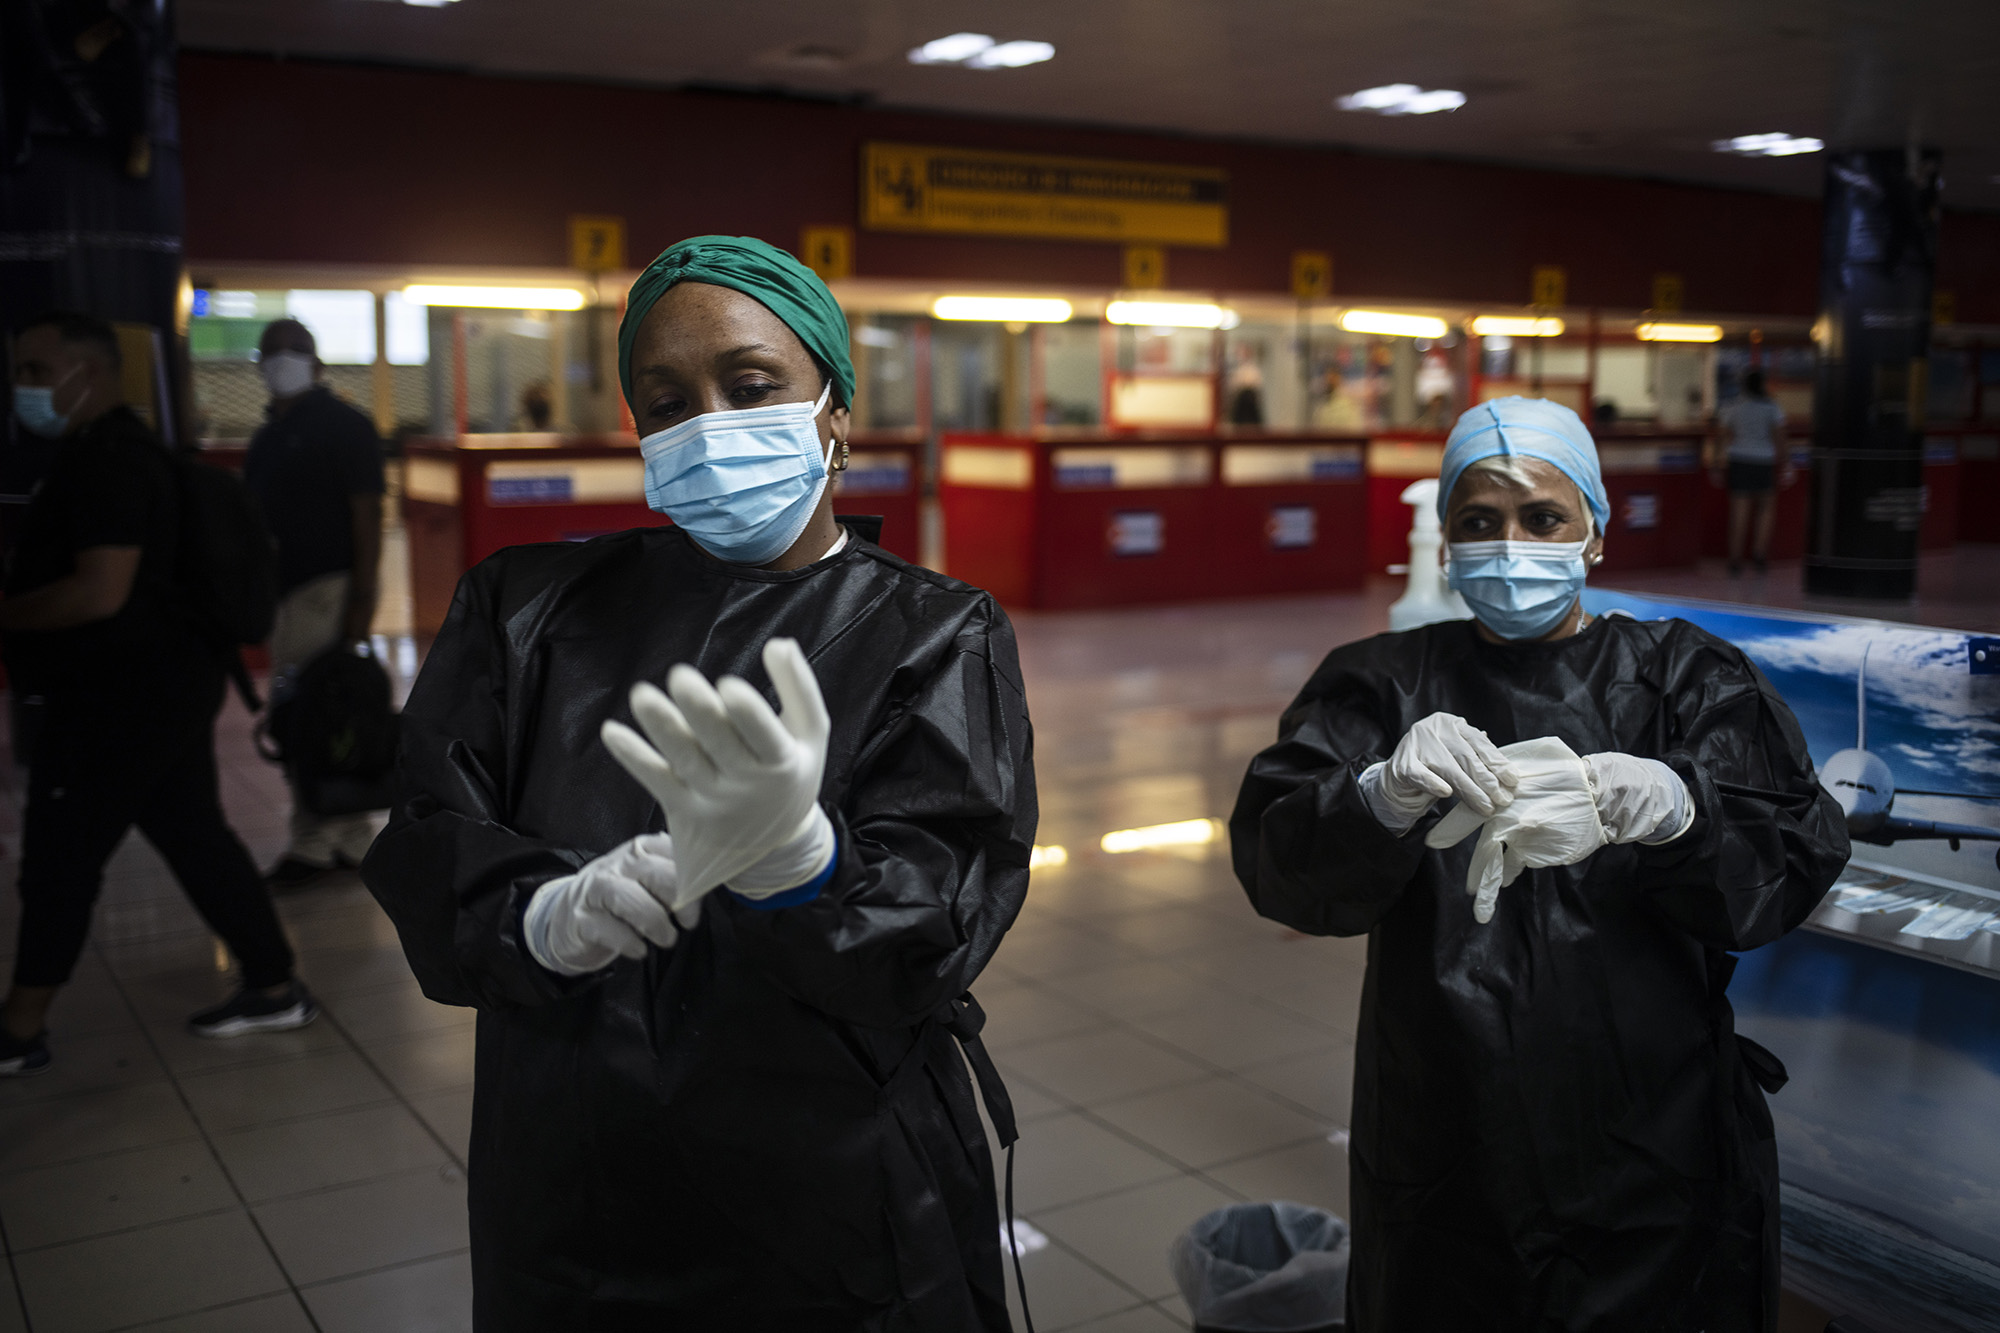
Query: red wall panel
[{"x": 310, "y": 162}]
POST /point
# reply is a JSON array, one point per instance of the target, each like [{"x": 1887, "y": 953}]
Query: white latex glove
[
  {"x": 739, "y": 783},
  {"x": 1639, "y": 800},
  {"x": 1442, "y": 755},
  {"x": 1552, "y": 821},
  {"x": 610, "y": 909}
]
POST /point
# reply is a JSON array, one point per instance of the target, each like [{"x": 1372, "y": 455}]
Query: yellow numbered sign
[
  {"x": 828, "y": 251},
  {"x": 1312, "y": 275},
  {"x": 1550, "y": 286},
  {"x": 596, "y": 243},
  {"x": 1667, "y": 293},
  {"x": 1145, "y": 267}
]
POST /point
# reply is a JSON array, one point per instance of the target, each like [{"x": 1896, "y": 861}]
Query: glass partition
[
  {"x": 229, "y": 396},
  {"x": 1072, "y": 373},
  {"x": 885, "y": 372}
]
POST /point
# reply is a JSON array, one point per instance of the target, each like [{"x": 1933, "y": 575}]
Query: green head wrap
[{"x": 789, "y": 289}]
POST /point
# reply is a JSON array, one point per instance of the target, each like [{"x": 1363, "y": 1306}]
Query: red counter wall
[{"x": 308, "y": 162}]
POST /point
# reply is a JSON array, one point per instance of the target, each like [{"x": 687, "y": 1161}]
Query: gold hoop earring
[{"x": 843, "y": 456}]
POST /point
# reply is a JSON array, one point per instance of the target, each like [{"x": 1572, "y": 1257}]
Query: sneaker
[
  {"x": 247, "y": 1011},
  {"x": 23, "y": 1059},
  {"x": 295, "y": 872}
]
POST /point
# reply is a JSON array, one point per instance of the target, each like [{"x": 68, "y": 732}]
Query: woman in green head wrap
[
  {"x": 718, "y": 1084},
  {"x": 722, "y": 325}
]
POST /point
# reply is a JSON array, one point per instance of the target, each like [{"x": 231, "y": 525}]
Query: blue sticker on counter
[
  {"x": 1344, "y": 468},
  {"x": 1137, "y": 532},
  {"x": 1642, "y": 512},
  {"x": 555, "y": 490},
  {"x": 1085, "y": 476},
  {"x": 1292, "y": 527},
  {"x": 880, "y": 475}
]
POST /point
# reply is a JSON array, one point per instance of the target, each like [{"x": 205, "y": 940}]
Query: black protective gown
[
  {"x": 1555, "y": 1127},
  {"x": 766, "y": 1127}
]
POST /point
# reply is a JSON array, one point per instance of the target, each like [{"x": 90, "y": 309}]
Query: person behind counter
[
  {"x": 1754, "y": 463},
  {"x": 1554, "y": 1124},
  {"x": 739, "y": 1109}
]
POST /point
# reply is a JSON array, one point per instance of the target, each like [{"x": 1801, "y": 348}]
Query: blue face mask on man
[
  {"x": 743, "y": 483},
  {"x": 35, "y": 409},
  {"x": 1519, "y": 590}
]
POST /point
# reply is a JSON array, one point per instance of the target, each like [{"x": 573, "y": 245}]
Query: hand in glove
[
  {"x": 739, "y": 783},
  {"x": 1552, "y": 821},
  {"x": 1441, "y": 756},
  {"x": 608, "y": 910},
  {"x": 1639, "y": 800}
]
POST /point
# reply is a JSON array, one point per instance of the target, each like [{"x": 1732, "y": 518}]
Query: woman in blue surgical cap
[
  {"x": 1554, "y": 830},
  {"x": 719, "y": 934}
]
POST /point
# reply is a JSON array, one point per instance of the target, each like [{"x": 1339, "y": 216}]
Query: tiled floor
[{"x": 1168, "y": 1051}]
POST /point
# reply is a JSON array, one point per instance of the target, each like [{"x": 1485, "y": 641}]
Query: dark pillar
[
  {"x": 90, "y": 178},
  {"x": 1878, "y": 253}
]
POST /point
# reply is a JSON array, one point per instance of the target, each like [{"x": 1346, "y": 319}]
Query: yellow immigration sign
[{"x": 908, "y": 187}]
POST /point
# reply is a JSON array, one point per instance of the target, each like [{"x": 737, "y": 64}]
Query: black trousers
[{"x": 105, "y": 760}]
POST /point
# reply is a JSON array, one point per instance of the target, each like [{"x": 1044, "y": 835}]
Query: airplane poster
[{"x": 1886, "y": 1006}]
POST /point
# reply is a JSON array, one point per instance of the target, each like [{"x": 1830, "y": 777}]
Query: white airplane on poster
[{"x": 1866, "y": 788}]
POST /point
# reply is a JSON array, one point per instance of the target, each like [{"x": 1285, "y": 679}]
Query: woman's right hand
[{"x": 1443, "y": 756}]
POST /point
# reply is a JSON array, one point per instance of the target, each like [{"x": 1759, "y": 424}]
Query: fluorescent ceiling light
[
  {"x": 1516, "y": 326},
  {"x": 1171, "y": 314},
  {"x": 1402, "y": 99},
  {"x": 1679, "y": 333},
  {"x": 953, "y": 50},
  {"x": 1186, "y": 833},
  {"x": 1012, "y": 55},
  {"x": 496, "y": 298},
  {"x": 1395, "y": 326},
  {"x": 1767, "y": 145},
  {"x": 430, "y": 4},
  {"x": 1003, "y": 309},
  {"x": 1042, "y": 857}
]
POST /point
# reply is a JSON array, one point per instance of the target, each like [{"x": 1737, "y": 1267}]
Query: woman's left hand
[{"x": 736, "y": 780}]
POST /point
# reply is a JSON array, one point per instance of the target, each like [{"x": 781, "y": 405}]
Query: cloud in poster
[{"x": 1919, "y": 685}]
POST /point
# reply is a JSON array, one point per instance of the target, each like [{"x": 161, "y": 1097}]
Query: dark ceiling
[{"x": 1635, "y": 87}]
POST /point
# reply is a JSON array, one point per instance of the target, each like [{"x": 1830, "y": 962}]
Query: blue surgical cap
[{"x": 1526, "y": 428}]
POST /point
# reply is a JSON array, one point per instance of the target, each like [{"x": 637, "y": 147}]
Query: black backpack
[
  {"x": 334, "y": 728},
  {"x": 228, "y": 564}
]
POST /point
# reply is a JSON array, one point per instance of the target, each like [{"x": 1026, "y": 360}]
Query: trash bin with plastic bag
[{"x": 1264, "y": 1268}]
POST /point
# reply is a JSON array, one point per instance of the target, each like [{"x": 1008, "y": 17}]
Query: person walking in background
[
  {"x": 121, "y": 692},
  {"x": 315, "y": 466},
  {"x": 1753, "y": 462}
]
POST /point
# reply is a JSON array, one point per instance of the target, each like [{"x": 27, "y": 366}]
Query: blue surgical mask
[
  {"x": 35, "y": 409},
  {"x": 1519, "y": 590},
  {"x": 743, "y": 483}
]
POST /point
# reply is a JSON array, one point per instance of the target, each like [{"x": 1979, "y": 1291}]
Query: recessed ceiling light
[
  {"x": 1767, "y": 145},
  {"x": 1402, "y": 99},
  {"x": 1679, "y": 333},
  {"x": 1392, "y": 325},
  {"x": 1171, "y": 314},
  {"x": 1003, "y": 309},
  {"x": 953, "y": 50},
  {"x": 1012, "y": 55},
  {"x": 975, "y": 50}
]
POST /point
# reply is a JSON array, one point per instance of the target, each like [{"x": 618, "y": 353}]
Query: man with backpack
[
  {"x": 105, "y": 645},
  {"x": 315, "y": 467}
]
